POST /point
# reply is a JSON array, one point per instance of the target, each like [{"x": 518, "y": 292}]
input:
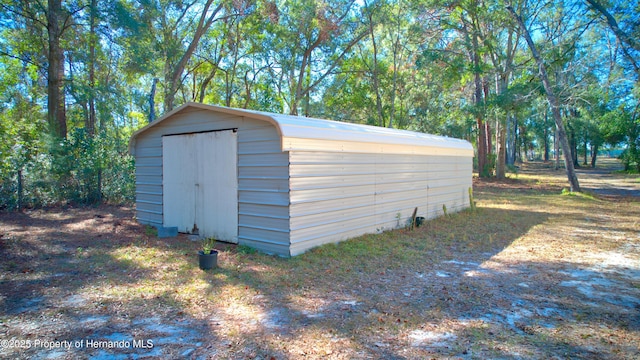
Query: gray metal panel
[
  {"x": 269, "y": 247},
  {"x": 263, "y": 222},
  {"x": 262, "y": 170},
  {"x": 153, "y": 150},
  {"x": 258, "y": 147},
  {"x": 266, "y": 235},
  {"x": 149, "y": 170},
  {"x": 148, "y": 218},
  {"x": 264, "y": 197},
  {"x": 264, "y": 159},
  {"x": 149, "y": 189},
  {"x": 269, "y": 211},
  {"x": 272, "y": 185},
  {"x": 152, "y": 208},
  {"x": 149, "y": 161}
]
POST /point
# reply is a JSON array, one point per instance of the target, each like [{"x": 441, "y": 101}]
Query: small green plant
[
  {"x": 208, "y": 245},
  {"x": 444, "y": 209},
  {"x": 472, "y": 203},
  {"x": 150, "y": 231},
  {"x": 247, "y": 250},
  {"x": 583, "y": 195}
]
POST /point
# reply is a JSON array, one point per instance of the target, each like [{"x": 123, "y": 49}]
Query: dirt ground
[{"x": 531, "y": 274}]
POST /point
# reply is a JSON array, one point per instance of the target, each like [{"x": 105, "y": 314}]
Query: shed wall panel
[
  {"x": 264, "y": 159},
  {"x": 263, "y": 222},
  {"x": 149, "y": 161},
  {"x": 269, "y": 211},
  {"x": 272, "y": 185},
  {"x": 300, "y": 247},
  {"x": 262, "y": 171},
  {"x": 149, "y": 189},
  {"x": 328, "y": 206},
  {"x": 258, "y": 147},
  {"x": 335, "y": 196},
  {"x": 269, "y": 247},
  {"x": 320, "y": 182},
  {"x": 148, "y": 218}
]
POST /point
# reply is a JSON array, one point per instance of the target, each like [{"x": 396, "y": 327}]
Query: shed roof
[{"x": 309, "y": 134}]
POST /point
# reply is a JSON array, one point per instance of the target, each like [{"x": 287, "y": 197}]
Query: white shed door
[{"x": 200, "y": 183}]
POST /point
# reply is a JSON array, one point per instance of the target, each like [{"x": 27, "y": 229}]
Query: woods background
[{"x": 78, "y": 77}]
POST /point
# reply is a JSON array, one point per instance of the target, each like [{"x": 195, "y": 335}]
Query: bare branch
[
  {"x": 4, "y": 53},
  {"x": 24, "y": 14}
]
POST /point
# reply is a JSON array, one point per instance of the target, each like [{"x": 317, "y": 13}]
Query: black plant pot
[
  {"x": 419, "y": 221},
  {"x": 208, "y": 261}
]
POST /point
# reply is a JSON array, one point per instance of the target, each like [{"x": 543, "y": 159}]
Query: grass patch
[{"x": 583, "y": 194}]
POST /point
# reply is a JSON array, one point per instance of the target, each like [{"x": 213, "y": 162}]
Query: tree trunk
[
  {"x": 585, "y": 151},
  {"x": 482, "y": 134},
  {"x": 394, "y": 89},
  {"x": 556, "y": 149},
  {"x": 56, "y": 114},
  {"x": 247, "y": 90},
  {"x": 500, "y": 150},
  {"x": 152, "y": 101},
  {"x": 512, "y": 136},
  {"x": 553, "y": 101},
  {"x": 594, "y": 154},
  {"x": 91, "y": 123},
  {"x": 205, "y": 83},
  {"x": 573, "y": 145},
  {"x": 545, "y": 135},
  {"x": 478, "y": 102},
  {"x": 546, "y": 145},
  {"x": 396, "y": 67},
  {"x": 20, "y": 189},
  {"x": 488, "y": 137},
  {"x": 374, "y": 72}
]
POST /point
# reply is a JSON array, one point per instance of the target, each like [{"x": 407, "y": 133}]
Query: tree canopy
[{"x": 77, "y": 77}]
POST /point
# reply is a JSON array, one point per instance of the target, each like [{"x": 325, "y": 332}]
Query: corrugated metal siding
[
  {"x": 335, "y": 196},
  {"x": 263, "y": 204},
  {"x": 263, "y": 190}
]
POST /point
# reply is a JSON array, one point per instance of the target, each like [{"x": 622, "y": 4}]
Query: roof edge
[
  {"x": 294, "y": 130},
  {"x": 227, "y": 110}
]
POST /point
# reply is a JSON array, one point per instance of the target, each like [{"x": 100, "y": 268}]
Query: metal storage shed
[{"x": 284, "y": 184}]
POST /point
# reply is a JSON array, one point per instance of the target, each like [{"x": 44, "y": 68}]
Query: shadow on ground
[{"x": 470, "y": 285}]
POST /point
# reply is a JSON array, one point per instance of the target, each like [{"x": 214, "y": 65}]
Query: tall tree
[
  {"x": 173, "y": 74},
  {"x": 553, "y": 102},
  {"x": 56, "y": 24},
  {"x": 501, "y": 39},
  {"x": 90, "y": 124},
  {"x": 55, "y": 19},
  {"x": 370, "y": 10},
  {"x": 470, "y": 29},
  {"x": 309, "y": 42}
]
